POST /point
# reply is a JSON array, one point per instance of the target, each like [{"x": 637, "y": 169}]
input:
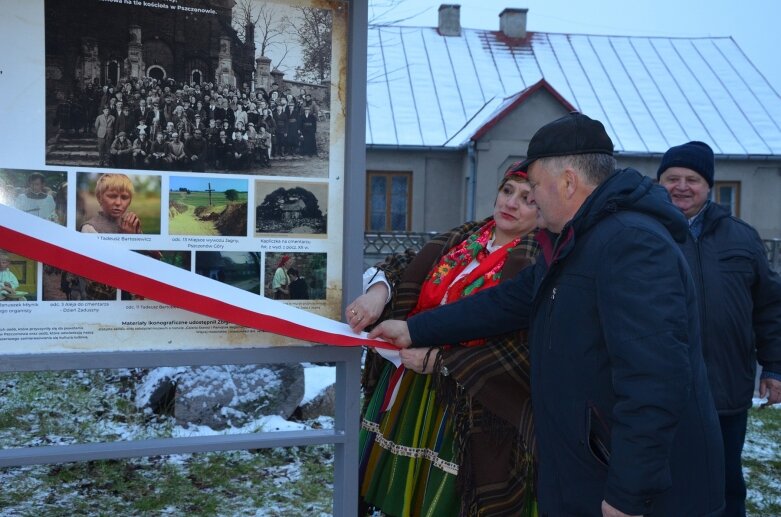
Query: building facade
[{"x": 450, "y": 108}]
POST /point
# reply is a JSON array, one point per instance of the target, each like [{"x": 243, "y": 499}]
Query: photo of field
[{"x": 207, "y": 206}]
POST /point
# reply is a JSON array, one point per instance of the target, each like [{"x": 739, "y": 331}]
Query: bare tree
[
  {"x": 386, "y": 12},
  {"x": 313, "y": 28},
  {"x": 272, "y": 29}
]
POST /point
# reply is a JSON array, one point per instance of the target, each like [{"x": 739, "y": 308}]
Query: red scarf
[{"x": 440, "y": 281}]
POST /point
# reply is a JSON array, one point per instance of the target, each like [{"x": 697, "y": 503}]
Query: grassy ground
[
  {"x": 69, "y": 407},
  {"x": 762, "y": 462},
  {"x": 202, "y": 198},
  {"x": 276, "y": 482},
  {"x": 187, "y": 223}
]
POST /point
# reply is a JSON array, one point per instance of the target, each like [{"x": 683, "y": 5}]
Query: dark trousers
[{"x": 733, "y": 432}]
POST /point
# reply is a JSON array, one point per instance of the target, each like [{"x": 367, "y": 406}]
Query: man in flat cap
[
  {"x": 121, "y": 151},
  {"x": 625, "y": 422},
  {"x": 739, "y": 298}
]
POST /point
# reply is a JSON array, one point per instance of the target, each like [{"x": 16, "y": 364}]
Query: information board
[{"x": 201, "y": 139}]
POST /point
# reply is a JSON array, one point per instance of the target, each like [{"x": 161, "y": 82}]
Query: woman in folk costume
[
  {"x": 449, "y": 432},
  {"x": 280, "y": 282}
]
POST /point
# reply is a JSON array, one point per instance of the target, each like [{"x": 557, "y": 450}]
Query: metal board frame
[{"x": 348, "y": 360}]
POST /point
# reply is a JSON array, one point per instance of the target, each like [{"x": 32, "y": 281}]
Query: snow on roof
[{"x": 427, "y": 90}]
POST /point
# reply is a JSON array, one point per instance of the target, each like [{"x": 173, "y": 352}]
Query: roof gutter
[
  {"x": 741, "y": 157},
  {"x": 426, "y": 148},
  {"x": 621, "y": 154}
]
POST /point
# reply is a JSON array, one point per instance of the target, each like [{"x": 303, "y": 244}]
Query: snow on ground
[
  {"x": 151, "y": 381},
  {"x": 270, "y": 423},
  {"x": 756, "y": 402},
  {"x": 316, "y": 379},
  {"x": 758, "y": 446}
]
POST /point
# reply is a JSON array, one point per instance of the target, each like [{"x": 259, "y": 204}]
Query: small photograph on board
[
  {"x": 236, "y": 268},
  {"x": 62, "y": 286},
  {"x": 118, "y": 203},
  {"x": 291, "y": 208},
  {"x": 18, "y": 279},
  {"x": 40, "y": 193},
  {"x": 178, "y": 258},
  {"x": 207, "y": 206},
  {"x": 295, "y": 276}
]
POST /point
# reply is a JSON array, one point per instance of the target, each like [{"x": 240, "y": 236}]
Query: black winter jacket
[
  {"x": 622, "y": 407},
  {"x": 740, "y": 306}
]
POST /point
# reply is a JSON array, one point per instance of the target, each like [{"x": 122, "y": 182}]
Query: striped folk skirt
[{"x": 407, "y": 448}]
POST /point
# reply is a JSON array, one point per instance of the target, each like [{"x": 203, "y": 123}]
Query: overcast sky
[{"x": 754, "y": 24}]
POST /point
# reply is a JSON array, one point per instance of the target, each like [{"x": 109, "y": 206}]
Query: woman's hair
[
  {"x": 119, "y": 182},
  {"x": 284, "y": 260},
  {"x": 514, "y": 172},
  {"x": 510, "y": 176}
]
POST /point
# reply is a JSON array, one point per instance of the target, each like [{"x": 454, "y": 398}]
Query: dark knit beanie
[{"x": 697, "y": 156}]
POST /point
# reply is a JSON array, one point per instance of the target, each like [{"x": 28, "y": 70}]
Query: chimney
[
  {"x": 449, "y": 20},
  {"x": 512, "y": 22}
]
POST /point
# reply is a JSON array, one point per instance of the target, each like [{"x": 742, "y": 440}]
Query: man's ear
[{"x": 570, "y": 182}]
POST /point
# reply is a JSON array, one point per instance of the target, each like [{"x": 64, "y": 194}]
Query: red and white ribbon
[{"x": 88, "y": 256}]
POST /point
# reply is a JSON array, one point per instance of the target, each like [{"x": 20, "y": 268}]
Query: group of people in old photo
[{"x": 167, "y": 125}]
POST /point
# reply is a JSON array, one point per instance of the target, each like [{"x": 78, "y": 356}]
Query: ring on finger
[{"x": 352, "y": 311}]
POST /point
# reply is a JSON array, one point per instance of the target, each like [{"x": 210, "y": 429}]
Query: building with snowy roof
[{"x": 449, "y": 108}]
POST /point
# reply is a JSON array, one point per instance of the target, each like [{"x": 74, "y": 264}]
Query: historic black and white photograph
[
  {"x": 189, "y": 85},
  {"x": 289, "y": 207}
]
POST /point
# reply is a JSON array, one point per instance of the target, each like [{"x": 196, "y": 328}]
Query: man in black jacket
[
  {"x": 740, "y": 303},
  {"x": 196, "y": 149},
  {"x": 625, "y": 421}
]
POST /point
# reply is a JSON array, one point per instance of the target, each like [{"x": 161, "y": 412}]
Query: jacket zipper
[
  {"x": 550, "y": 317},
  {"x": 701, "y": 288}
]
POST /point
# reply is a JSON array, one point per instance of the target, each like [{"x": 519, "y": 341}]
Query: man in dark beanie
[
  {"x": 697, "y": 156},
  {"x": 624, "y": 419},
  {"x": 739, "y": 298}
]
